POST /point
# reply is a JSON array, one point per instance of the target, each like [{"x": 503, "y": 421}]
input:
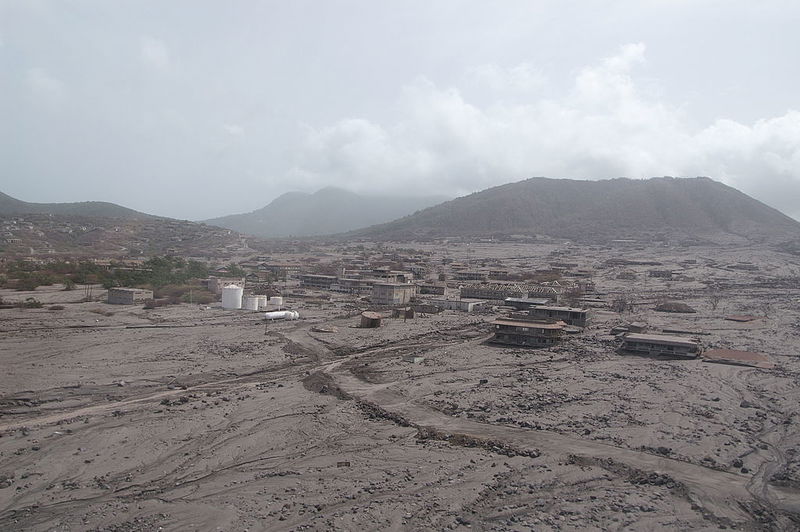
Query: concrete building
[
  {"x": 216, "y": 284},
  {"x": 390, "y": 294},
  {"x": 525, "y": 303},
  {"x": 527, "y": 333},
  {"x": 660, "y": 345},
  {"x": 569, "y": 315},
  {"x": 386, "y": 275},
  {"x": 463, "y": 305},
  {"x": 280, "y": 270},
  {"x": 320, "y": 282},
  {"x": 128, "y": 296},
  {"x": 468, "y": 275},
  {"x": 353, "y": 286},
  {"x": 431, "y": 288}
]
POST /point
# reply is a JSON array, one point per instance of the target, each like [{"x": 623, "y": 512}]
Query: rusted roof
[
  {"x": 733, "y": 356},
  {"x": 742, "y": 318}
]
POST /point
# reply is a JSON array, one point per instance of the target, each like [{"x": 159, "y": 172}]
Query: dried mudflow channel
[{"x": 722, "y": 497}]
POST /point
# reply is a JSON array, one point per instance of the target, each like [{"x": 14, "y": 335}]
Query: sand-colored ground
[{"x": 120, "y": 418}]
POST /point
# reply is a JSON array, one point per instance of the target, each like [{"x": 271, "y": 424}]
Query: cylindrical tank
[
  {"x": 250, "y": 303},
  {"x": 281, "y": 315},
  {"x": 262, "y": 301},
  {"x": 276, "y": 301},
  {"x": 232, "y": 297}
]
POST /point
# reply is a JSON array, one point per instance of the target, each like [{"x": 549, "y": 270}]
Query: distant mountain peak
[
  {"x": 327, "y": 211},
  {"x": 587, "y": 210}
]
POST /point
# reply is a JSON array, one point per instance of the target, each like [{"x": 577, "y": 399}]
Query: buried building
[
  {"x": 389, "y": 294},
  {"x": 660, "y": 345},
  {"x": 569, "y": 315},
  {"x": 128, "y": 296},
  {"x": 527, "y": 333}
]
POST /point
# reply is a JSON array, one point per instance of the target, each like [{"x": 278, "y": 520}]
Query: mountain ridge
[
  {"x": 95, "y": 209},
  {"x": 597, "y": 209},
  {"x": 327, "y": 211}
]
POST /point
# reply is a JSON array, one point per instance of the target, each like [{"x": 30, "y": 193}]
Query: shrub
[
  {"x": 30, "y": 303},
  {"x": 55, "y": 307}
]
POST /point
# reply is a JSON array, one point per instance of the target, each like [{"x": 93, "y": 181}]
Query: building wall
[
  {"x": 387, "y": 295},
  {"x": 567, "y": 316},
  {"x": 216, "y": 284},
  {"x": 121, "y": 296},
  {"x": 655, "y": 348},
  {"x": 462, "y": 305}
]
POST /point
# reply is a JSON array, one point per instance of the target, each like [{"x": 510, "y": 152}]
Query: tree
[
  {"x": 235, "y": 270},
  {"x": 621, "y": 304}
]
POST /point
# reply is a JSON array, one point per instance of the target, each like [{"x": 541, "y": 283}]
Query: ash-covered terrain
[{"x": 193, "y": 417}]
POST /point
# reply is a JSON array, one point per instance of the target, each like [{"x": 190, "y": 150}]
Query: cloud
[
  {"x": 521, "y": 78},
  {"x": 44, "y": 86},
  {"x": 235, "y": 130},
  {"x": 603, "y": 126},
  {"x": 153, "y": 53}
]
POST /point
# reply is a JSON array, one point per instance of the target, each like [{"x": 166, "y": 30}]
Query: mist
[{"x": 192, "y": 111}]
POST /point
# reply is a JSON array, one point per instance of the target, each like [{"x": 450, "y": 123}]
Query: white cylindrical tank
[
  {"x": 281, "y": 315},
  {"x": 262, "y": 301},
  {"x": 276, "y": 301},
  {"x": 250, "y": 303},
  {"x": 232, "y": 297}
]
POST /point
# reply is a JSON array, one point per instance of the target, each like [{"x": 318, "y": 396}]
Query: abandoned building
[
  {"x": 527, "y": 333},
  {"x": 437, "y": 289},
  {"x": 550, "y": 292},
  {"x": 525, "y": 303},
  {"x": 320, "y": 282},
  {"x": 407, "y": 313},
  {"x": 215, "y": 284},
  {"x": 280, "y": 270},
  {"x": 353, "y": 286},
  {"x": 492, "y": 291},
  {"x": 390, "y": 294},
  {"x": 660, "y": 345},
  {"x": 128, "y": 296},
  {"x": 470, "y": 275},
  {"x": 569, "y": 315},
  {"x": 463, "y": 305}
]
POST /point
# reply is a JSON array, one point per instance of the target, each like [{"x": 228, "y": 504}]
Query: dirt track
[{"x": 214, "y": 420}]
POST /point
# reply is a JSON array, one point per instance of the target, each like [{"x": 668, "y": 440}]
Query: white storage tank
[
  {"x": 250, "y": 303},
  {"x": 262, "y": 301},
  {"x": 281, "y": 315},
  {"x": 276, "y": 301},
  {"x": 232, "y": 297}
]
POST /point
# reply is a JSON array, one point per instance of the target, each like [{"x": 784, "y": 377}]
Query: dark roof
[{"x": 660, "y": 339}]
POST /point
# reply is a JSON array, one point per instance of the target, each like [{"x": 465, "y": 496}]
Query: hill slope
[
  {"x": 593, "y": 210},
  {"x": 95, "y": 209},
  {"x": 327, "y": 211}
]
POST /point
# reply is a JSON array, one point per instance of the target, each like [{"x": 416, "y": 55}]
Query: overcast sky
[{"x": 194, "y": 109}]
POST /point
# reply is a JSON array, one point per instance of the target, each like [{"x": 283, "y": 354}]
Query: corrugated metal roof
[{"x": 733, "y": 354}]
